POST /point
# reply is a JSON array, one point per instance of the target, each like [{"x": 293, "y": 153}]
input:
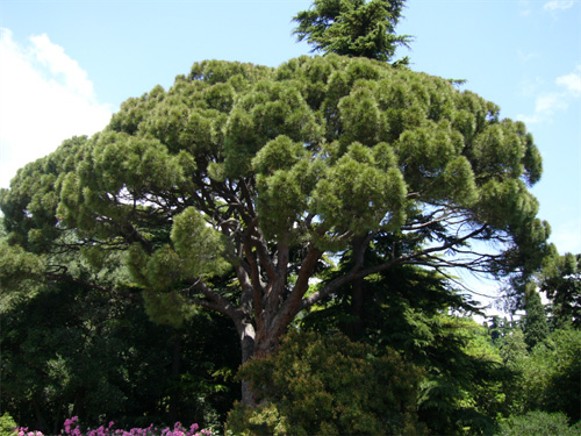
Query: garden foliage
[
  {"x": 335, "y": 196},
  {"x": 329, "y": 385}
]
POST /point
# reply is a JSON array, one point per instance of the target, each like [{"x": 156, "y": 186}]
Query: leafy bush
[
  {"x": 329, "y": 385},
  {"x": 539, "y": 423},
  {"x": 549, "y": 376},
  {"x": 7, "y": 424},
  {"x": 99, "y": 355}
]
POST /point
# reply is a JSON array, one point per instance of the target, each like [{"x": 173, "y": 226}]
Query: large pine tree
[{"x": 232, "y": 190}]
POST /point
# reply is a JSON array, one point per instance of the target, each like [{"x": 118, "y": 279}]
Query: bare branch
[
  {"x": 357, "y": 273},
  {"x": 293, "y": 304},
  {"x": 214, "y": 301}
]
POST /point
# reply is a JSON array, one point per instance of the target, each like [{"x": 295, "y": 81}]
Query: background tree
[
  {"x": 514, "y": 353},
  {"x": 232, "y": 190},
  {"x": 353, "y": 27},
  {"x": 80, "y": 343},
  {"x": 547, "y": 376},
  {"x": 409, "y": 309},
  {"x": 550, "y": 375},
  {"x": 535, "y": 327},
  {"x": 561, "y": 280}
]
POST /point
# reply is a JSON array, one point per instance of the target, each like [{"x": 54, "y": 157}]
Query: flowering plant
[{"x": 72, "y": 428}]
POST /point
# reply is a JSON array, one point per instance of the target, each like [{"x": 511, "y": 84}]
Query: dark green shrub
[
  {"x": 329, "y": 385},
  {"x": 539, "y": 423}
]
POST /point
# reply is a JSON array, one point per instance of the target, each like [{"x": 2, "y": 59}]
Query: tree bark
[{"x": 247, "y": 343}]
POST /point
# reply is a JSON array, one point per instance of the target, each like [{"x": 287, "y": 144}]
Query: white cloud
[
  {"x": 45, "y": 97},
  {"x": 558, "y": 5},
  {"x": 545, "y": 107},
  {"x": 548, "y": 103},
  {"x": 571, "y": 81},
  {"x": 54, "y": 58}
]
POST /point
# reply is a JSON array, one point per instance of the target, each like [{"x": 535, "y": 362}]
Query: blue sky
[{"x": 65, "y": 67}]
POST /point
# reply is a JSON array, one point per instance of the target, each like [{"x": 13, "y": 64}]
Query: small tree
[
  {"x": 561, "y": 280},
  {"x": 353, "y": 27},
  {"x": 535, "y": 327},
  {"x": 329, "y": 385}
]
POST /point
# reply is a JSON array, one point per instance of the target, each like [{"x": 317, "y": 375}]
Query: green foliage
[
  {"x": 236, "y": 146},
  {"x": 352, "y": 27},
  {"x": 466, "y": 392},
  {"x": 290, "y": 137},
  {"x": 197, "y": 244},
  {"x": 7, "y": 425},
  {"x": 535, "y": 325},
  {"x": 556, "y": 367},
  {"x": 538, "y": 423},
  {"x": 264, "y": 419},
  {"x": 513, "y": 348},
  {"x": 371, "y": 191},
  {"x": 231, "y": 190},
  {"x": 329, "y": 385},
  {"x": 463, "y": 387},
  {"x": 21, "y": 274},
  {"x": 561, "y": 280},
  {"x": 29, "y": 206},
  {"x": 548, "y": 378},
  {"x": 74, "y": 347}
]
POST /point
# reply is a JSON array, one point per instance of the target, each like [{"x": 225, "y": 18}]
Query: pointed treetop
[{"x": 356, "y": 28}]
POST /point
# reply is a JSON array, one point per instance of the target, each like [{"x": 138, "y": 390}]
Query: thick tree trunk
[
  {"x": 254, "y": 344},
  {"x": 247, "y": 343},
  {"x": 266, "y": 304}
]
